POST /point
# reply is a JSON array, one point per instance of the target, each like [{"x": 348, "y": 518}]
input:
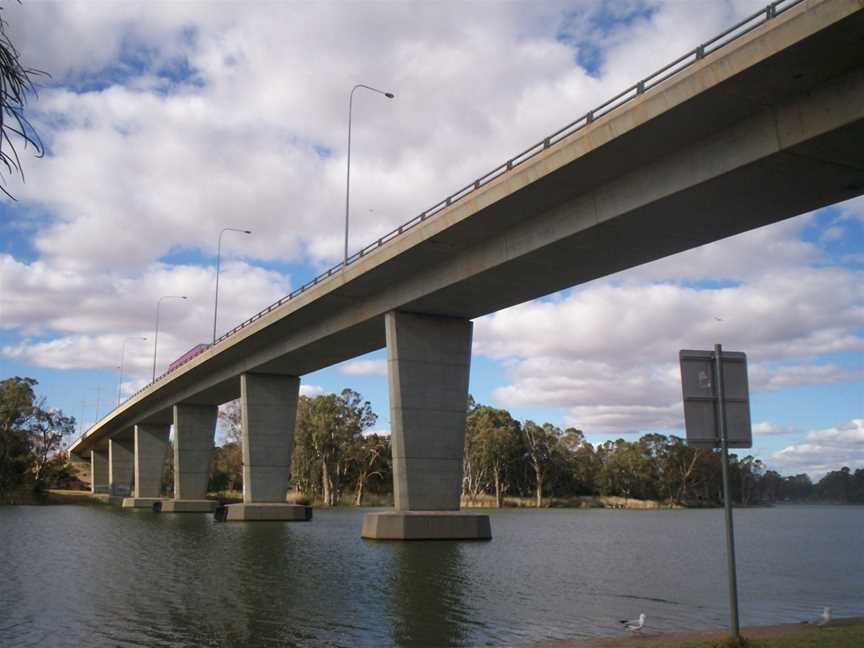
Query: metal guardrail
[{"x": 669, "y": 70}]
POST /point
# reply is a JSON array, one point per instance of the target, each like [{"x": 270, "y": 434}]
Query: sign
[{"x": 702, "y": 408}]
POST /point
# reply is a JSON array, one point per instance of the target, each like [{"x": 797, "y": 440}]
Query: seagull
[
  {"x": 823, "y": 619},
  {"x": 635, "y": 625}
]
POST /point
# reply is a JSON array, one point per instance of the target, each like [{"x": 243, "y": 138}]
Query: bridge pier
[
  {"x": 121, "y": 453},
  {"x": 151, "y": 447},
  {"x": 428, "y": 360},
  {"x": 99, "y": 472},
  {"x": 268, "y": 406},
  {"x": 194, "y": 427}
]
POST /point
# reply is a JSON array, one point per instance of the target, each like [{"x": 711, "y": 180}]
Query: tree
[
  {"x": 227, "y": 473},
  {"x": 372, "y": 459},
  {"x": 48, "y": 431},
  {"x": 17, "y": 408},
  {"x": 31, "y": 436},
  {"x": 16, "y": 86},
  {"x": 495, "y": 442},
  {"x": 327, "y": 431},
  {"x": 542, "y": 443}
]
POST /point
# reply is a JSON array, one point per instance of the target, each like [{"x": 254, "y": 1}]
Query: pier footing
[
  {"x": 268, "y": 511},
  {"x": 426, "y": 525},
  {"x": 142, "y": 502},
  {"x": 189, "y": 506}
]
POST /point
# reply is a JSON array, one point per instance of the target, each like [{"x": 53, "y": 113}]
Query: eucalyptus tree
[
  {"x": 542, "y": 443},
  {"x": 493, "y": 445}
]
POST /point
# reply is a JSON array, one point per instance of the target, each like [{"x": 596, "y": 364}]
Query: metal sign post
[
  {"x": 717, "y": 414},
  {"x": 727, "y": 499}
]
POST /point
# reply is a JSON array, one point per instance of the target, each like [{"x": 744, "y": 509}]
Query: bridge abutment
[
  {"x": 151, "y": 448},
  {"x": 99, "y": 472},
  {"x": 268, "y": 406},
  {"x": 194, "y": 427},
  {"x": 121, "y": 453},
  {"x": 428, "y": 359}
]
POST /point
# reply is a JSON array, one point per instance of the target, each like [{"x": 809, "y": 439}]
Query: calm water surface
[{"x": 98, "y": 576}]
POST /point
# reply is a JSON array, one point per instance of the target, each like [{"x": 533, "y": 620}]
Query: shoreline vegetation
[
  {"x": 339, "y": 459},
  {"x": 59, "y": 496},
  {"x": 839, "y": 633}
]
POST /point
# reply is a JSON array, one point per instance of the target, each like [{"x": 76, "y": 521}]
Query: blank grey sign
[{"x": 700, "y": 399}]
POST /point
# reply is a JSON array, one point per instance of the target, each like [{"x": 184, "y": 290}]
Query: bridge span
[{"x": 762, "y": 123}]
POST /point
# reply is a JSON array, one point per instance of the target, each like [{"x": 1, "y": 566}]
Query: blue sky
[{"x": 165, "y": 123}]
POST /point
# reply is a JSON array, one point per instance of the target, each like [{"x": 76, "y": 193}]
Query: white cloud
[
  {"x": 365, "y": 367},
  {"x": 853, "y": 209},
  {"x": 311, "y": 391},
  {"x": 91, "y": 316},
  {"x": 824, "y": 450},
  {"x": 766, "y": 428},
  {"x": 607, "y": 352}
]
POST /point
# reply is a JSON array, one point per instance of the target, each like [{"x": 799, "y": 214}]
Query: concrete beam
[
  {"x": 121, "y": 459},
  {"x": 151, "y": 448},
  {"x": 194, "y": 427},
  {"x": 99, "y": 472}
]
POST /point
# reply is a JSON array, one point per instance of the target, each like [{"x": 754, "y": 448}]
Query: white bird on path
[
  {"x": 823, "y": 619},
  {"x": 635, "y": 625}
]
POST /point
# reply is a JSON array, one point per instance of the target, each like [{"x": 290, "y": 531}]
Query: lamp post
[
  {"x": 389, "y": 95},
  {"x": 156, "y": 334},
  {"x": 218, "y": 259},
  {"x": 122, "y": 360}
]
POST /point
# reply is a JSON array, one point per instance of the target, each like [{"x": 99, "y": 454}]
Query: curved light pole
[
  {"x": 218, "y": 259},
  {"x": 156, "y": 335},
  {"x": 122, "y": 359},
  {"x": 389, "y": 95}
]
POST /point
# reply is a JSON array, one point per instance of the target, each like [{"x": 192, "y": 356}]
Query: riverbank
[
  {"x": 574, "y": 501},
  {"x": 840, "y": 633}
]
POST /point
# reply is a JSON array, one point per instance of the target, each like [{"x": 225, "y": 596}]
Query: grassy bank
[
  {"x": 807, "y": 637},
  {"x": 841, "y": 633}
]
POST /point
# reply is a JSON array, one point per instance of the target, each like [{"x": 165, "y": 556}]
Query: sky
[{"x": 165, "y": 122}]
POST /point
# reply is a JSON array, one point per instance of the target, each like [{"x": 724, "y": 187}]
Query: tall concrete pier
[
  {"x": 121, "y": 459},
  {"x": 428, "y": 363},
  {"x": 268, "y": 406},
  {"x": 194, "y": 428},
  {"x": 99, "y": 472},
  {"x": 151, "y": 449}
]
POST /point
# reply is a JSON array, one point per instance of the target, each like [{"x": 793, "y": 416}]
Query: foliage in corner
[{"x": 16, "y": 87}]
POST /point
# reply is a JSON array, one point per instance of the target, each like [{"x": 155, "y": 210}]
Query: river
[{"x": 99, "y": 576}]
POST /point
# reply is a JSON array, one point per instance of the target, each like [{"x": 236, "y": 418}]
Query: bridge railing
[{"x": 652, "y": 80}]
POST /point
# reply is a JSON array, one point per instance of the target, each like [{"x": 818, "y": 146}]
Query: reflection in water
[{"x": 427, "y": 593}]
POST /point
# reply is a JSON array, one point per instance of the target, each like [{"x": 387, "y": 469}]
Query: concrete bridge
[{"x": 760, "y": 124}]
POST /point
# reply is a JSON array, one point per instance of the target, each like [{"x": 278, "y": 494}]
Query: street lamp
[
  {"x": 122, "y": 359},
  {"x": 218, "y": 259},
  {"x": 156, "y": 335},
  {"x": 389, "y": 95}
]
